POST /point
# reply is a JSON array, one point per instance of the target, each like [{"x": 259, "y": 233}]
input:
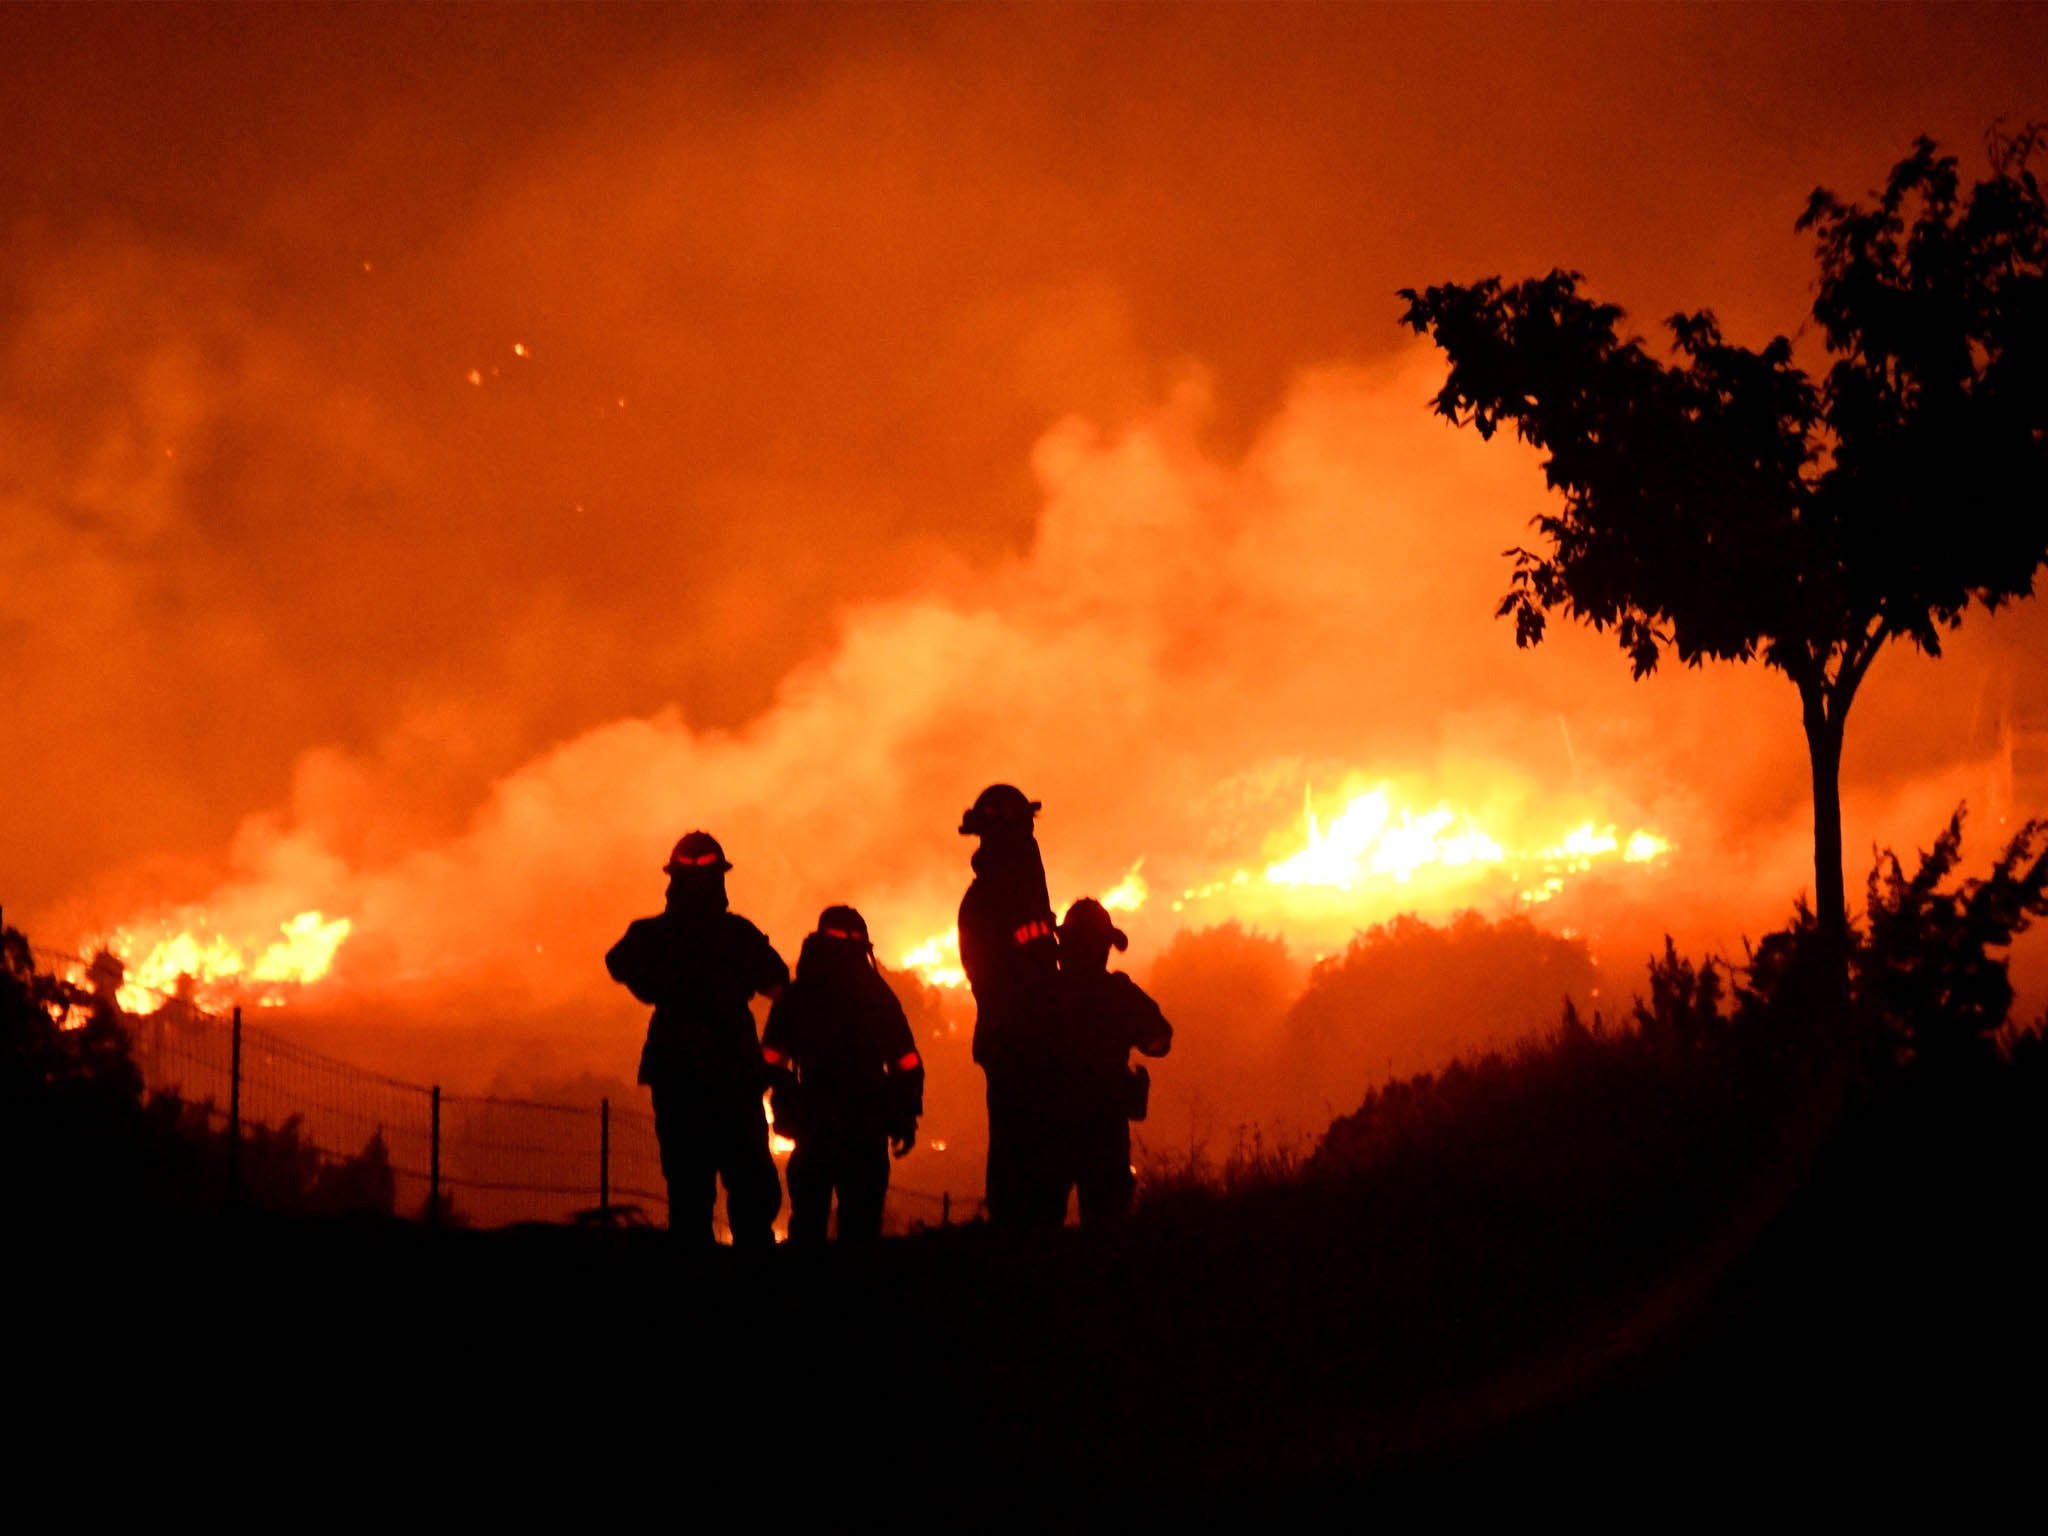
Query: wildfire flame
[
  {"x": 1372, "y": 837},
  {"x": 1367, "y": 839},
  {"x": 1376, "y": 850},
  {"x": 1128, "y": 894},
  {"x": 217, "y": 972},
  {"x": 937, "y": 960}
]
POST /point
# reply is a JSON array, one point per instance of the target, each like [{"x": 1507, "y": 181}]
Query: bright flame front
[
  {"x": 217, "y": 972},
  {"x": 1370, "y": 837}
]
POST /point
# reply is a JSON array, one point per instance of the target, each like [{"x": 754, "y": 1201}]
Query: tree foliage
[{"x": 1727, "y": 505}]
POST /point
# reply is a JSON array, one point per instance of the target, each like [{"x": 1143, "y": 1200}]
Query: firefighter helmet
[
  {"x": 1089, "y": 919},
  {"x": 999, "y": 804},
  {"x": 697, "y": 851},
  {"x": 845, "y": 923}
]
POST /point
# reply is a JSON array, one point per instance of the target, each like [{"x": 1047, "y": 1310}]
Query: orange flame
[
  {"x": 1377, "y": 847},
  {"x": 217, "y": 972},
  {"x": 937, "y": 960}
]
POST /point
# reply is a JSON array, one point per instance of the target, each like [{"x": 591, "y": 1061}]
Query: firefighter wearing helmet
[
  {"x": 849, "y": 1085},
  {"x": 1008, "y": 949},
  {"x": 699, "y": 965},
  {"x": 1103, "y": 1016}
]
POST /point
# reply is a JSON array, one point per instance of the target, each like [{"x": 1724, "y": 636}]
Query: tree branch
[{"x": 1856, "y": 660}]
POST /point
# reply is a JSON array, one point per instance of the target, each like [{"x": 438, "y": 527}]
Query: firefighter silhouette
[
  {"x": 1102, "y": 1017},
  {"x": 1008, "y": 949},
  {"x": 848, "y": 1083},
  {"x": 700, "y": 965}
]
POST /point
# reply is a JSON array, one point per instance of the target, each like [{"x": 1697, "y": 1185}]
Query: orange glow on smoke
[{"x": 811, "y": 423}]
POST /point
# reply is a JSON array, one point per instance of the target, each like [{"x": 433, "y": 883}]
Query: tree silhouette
[{"x": 1729, "y": 506}]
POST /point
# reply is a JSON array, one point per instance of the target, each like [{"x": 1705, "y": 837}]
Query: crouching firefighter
[
  {"x": 700, "y": 966},
  {"x": 848, "y": 1082},
  {"x": 1007, "y": 948},
  {"x": 1103, "y": 1017}
]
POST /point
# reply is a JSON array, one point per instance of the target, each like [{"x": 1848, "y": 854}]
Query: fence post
[
  {"x": 434, "y": 1165},
  {"x": 235, "y": 1110},
  {"x": 604, "y": 1161},
  {"x": 946, "y": 1208}
]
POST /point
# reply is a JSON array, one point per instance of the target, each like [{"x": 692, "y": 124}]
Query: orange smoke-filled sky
[{"x": 445, "y": 453}]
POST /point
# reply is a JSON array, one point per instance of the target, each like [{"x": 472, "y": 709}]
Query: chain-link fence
[
  {"x": 475, "y": 1159},
  {"x": 479, "y": 1160}
]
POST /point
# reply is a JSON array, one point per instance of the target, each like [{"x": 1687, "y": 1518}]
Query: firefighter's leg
[
  {"x": 1023, "y": 1159},
  {"x": 810, "y": 1193},
  {"x": 1004, "y": 1123},
  {"x": 863, "y": 1188},
  {"x": 1105, "y": 1181},
  {"x": 753, "y": 1190},
  {"x": 1043, "y": 1173},
  {"x": 688, "y": 1166}
]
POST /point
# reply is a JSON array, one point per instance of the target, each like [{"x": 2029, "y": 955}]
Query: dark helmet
[
  {"x": 844, "y": 923},
  {"x": 698, "y": 851},
  {"x": 998, "y": 805},
  {"x": 1089, "y": 919}
]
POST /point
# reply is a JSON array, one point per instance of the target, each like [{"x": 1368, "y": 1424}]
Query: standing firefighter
[
  {"x": 849, "y": 1086},
  {"x": 1103, "y": 1017},
  {"x": 1008, "y": 949},
  {"x": 700, "y": 965}
]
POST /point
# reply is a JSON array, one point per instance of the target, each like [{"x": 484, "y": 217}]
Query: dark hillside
[{"x": 1711, "y": 1250}]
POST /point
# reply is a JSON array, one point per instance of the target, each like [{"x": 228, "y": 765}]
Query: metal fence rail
[{"x": 480, "y": 1160}]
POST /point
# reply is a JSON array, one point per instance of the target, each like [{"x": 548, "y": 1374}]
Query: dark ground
[{"x": 1876, "y": 1332}]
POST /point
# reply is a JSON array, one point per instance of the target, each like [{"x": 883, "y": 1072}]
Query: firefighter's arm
[
  {"x": 771, "y": 974},
  {"x": 906, "y": 1102},
  {"x": 906, "y": 1081},
  {"x": 778, "y": 1065},
  {"x": 974, "y": 957},
  {"x": 1151, "y": 1035},
  {"x": 626, "y": 960},
  {"x": 777, "y": 1042}
]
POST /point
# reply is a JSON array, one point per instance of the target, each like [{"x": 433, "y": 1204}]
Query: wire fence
[{"x": 478, "y": 1160}]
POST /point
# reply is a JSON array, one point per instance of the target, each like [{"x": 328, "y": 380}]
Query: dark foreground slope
[
  {"x": 1714, "y": 1256},
  {"x": 1884, "y": 1326}
]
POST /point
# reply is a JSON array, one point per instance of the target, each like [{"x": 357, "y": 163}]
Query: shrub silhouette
[
  {"x": 1696, "y": 1083},
  {"x": 1402, "y": 991},
  {"x": 1929, "y": 988}
]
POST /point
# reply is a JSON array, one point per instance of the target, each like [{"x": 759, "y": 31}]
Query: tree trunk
[{"x": 1830, "y": 900}]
